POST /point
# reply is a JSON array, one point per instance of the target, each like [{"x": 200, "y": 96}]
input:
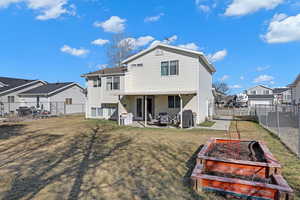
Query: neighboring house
[
  {"x": 162, "y": 78},
  {"x": 282, "y": 95},
  {"x": 242, "y": 99},
  {"x": 295, "y": 90},
  {"x": 9, "y": 90},
  {"x": 260, "y": 95},
  {"x": 219, "y": 98},
  {"x": 55, "y": 97}
]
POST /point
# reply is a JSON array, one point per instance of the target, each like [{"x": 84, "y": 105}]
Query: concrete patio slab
[{"x": 222, "y": 124}]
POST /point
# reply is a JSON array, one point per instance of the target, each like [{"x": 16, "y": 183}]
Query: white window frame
[
  {"x": 93, "y": 108},
  {"x": 110, "y": 85},
  {"x": 169, "y": 67},
  {"x": 11, "y": 99},
  {"x": 97, "y": 82},
  {"x": 68, "y": 101},
  {"x": 174, "y": 106}
]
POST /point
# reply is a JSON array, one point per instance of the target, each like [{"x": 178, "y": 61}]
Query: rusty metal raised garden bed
[
  {"x": 275, "y": 189},
  {"x": 241, "y": 168},
  {"x": 235, "y": 157}
]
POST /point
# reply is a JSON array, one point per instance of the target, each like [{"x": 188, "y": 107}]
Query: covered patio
[{"x": 147, "y": 106}]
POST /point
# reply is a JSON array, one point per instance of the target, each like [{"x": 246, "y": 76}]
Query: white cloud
[
  {"x": 49, "y": 9},
  {"x": 191, "y": 46},
  {"x": 283, "y": 29},
  {"x": 242, "y": 77},
  {"x": 144, "y": 40},
  {"x": 137, "y": 42},
  {"x": 100, "y": 42},
  {"x": 219, "y": 55},
  {"x": 244, "y": 7},
  {"x": 114, "y": 24},
  {"x": 102, "y": 66},
  {"x": 263, "y": 78},
  {"x": 224, "y": 78},
  {"x": 169, "y": 40},
  {"x": 6, "y": 3},
  {"x": 235, "y": 86},
  {"x": 203, "y": 7},
  {"x": 263, "y": 68},
  {"x": 74, "y": 51},
  {"x": 154, "y": 18}
]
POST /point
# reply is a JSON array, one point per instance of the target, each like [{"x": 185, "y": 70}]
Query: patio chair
[
  {"x": 164, "y": 118},
  {"x": 151, "y": 120}
]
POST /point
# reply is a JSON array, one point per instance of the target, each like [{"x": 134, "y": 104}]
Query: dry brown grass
[{"x": 73, "y": 158}]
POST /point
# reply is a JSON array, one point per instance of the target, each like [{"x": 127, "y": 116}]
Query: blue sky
[{"x": 249, "y": 41}]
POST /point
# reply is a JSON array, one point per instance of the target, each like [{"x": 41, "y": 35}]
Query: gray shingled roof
[
  {"x": 261, "y": 96},
  {"x": 296, "y": 81},
  {"x": 279, "y": 90},
  {"x": 112, "y": 70},
  {"x": 46, "y": 89},
  {"x": 11, "y": 83}
]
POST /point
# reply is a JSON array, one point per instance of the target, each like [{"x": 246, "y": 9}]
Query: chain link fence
[
  {"x": 21, "y": 109},
  {"x": 232, "y": 111},
  {"x": 283, "y": 121}
]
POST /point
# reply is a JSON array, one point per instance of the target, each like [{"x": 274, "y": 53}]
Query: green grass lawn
[
  {"x": 73, "y": 158},
  {"x": 207, "y": 124}
]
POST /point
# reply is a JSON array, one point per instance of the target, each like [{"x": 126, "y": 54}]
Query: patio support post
[
  {"x": 145, "y": 110},
  {"x": 119, "y": 107},
  {"x": 181, "y": 111}
]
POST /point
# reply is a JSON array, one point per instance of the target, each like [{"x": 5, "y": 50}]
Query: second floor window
[
  {"x": 113, "y": 83},
  {"x": 174, "y": 67},
  {"x": 11, "y": 99},
  {"x": 170, "y": 68},
  {"x": 97, "y": 82},
  {"x": 253, "y": 92},
  {"x": 266, "y": 92}
]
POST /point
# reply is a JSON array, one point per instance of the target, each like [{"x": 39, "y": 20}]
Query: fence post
[
  {"x": 56, "y": 105},
  {"x": 298, "y": 109},
  {"x": 278, "y": 120},
  {"x": 266, "y": 109}
]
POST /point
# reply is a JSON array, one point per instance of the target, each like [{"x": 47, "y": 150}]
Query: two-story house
[
  {"x": 295, "y": 90},
  {"x": 162, "y": 78},
  {"x": 282, "y": 95},
  {"x": 260, "y": 95}
]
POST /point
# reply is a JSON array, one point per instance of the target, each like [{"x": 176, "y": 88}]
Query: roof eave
[
  {"x": 34, "y": 81},
  {"x": 159, "y": 45}
]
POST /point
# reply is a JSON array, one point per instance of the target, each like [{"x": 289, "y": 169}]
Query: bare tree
[
  {"x": 221, "y": 87},
  {"x": 119, "y": 49}
]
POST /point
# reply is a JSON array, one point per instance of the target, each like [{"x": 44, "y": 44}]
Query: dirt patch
[{"x": 249, "y": 151}]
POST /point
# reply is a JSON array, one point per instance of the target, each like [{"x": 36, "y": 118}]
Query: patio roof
[{"x": 157, "y": 93}]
